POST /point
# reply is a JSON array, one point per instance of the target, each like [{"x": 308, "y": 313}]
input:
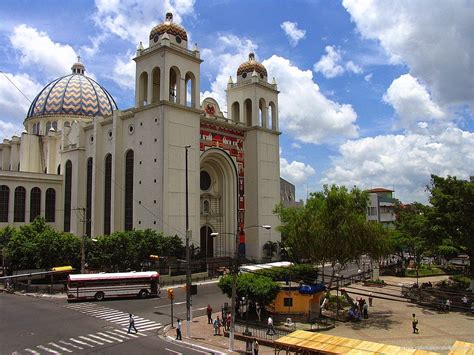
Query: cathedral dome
[
  {"x": 73, "y": 95},
  {"x": 250, "y": 66},
  {"x": 170, "y": 28}
]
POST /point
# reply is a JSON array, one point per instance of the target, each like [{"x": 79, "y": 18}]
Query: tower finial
[
  {"x": 78, "y": 58},
  {"x": 251, "y": 56},
  {"x": 169, "y": 17}
]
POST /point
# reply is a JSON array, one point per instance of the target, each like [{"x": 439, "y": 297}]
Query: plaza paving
[{"x": 389, "y": 323}]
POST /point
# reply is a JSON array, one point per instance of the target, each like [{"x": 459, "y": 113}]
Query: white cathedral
[{"x": 91, "y": 169}]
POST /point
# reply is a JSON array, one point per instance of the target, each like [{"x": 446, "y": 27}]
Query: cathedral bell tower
[{"x": 253, "y": 102}]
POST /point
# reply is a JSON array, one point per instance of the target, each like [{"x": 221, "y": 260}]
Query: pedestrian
[
  {"x": 414, "y": 323},
  {"x": 464, "y": 301},
  {"x": 228, "y": 320},
  {"x": 361, "y": 305},
  {"x": 131, "y": 324},
  {"x": 217, "y": 326},
  {"x": 255, "y": 347},
  {"x": 366, "y": 310},
  {"x": 178, "y": 330},
  {"x": 370, "y": 299},
  {"x": 270, "y": 329},
  {"x": 209, "y": 314}
]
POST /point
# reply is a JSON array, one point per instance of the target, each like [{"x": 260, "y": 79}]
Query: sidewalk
[{"x": 203, "y": 336}]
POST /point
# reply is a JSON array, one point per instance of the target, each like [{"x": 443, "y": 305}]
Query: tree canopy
[
  {"x": 257, "y": 288},
  {"x": 453, "y": 212},
  {"x": 332, "y": 227}
]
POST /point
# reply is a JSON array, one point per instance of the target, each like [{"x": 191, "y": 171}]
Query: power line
[{"x": 11, "y": 81}]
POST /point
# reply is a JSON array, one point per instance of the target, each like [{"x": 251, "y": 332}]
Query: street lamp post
[
  {"x": 234, "y": 281},
  {"x": 188, "y": 256}
]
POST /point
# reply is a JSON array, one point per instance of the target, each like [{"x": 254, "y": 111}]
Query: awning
[{"x": 330, "y": 344}]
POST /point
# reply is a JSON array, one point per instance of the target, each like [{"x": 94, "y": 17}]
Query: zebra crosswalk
[
  {"x": 81, "y": 342},
  {"x": 114, "y": 316}
]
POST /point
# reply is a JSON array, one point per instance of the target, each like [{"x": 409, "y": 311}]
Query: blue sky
[{"x": 373, "y": 93}]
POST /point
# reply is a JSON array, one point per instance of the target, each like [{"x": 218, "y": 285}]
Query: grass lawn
[{"x": 424, "y": 271}]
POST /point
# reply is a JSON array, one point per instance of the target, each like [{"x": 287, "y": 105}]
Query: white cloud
[
  {"x": 412, "y": 102},
  {"x": 433, "y": 39},
  {"x": 38, "y": 50},
  {"x": 328, "y": 63},
  {"x": 352, "y": 67},
  {"x": 368, "y": 77},
  {"x": 222, "y": 62},
  {"x": 295, "y": 172},
  {"x": 13, "y": 105},
  {"x": 295, "y": 145},
  {"x": 332, "y": 65},
  {"x": 403, "y": 161},
  {"x": 305, "y": 113},
  {"x": 132, "y": 20},
  {"x": 292, "y": 31},
  {"x": 8, "y": 129},
  {"x": 124, "y": 71}
]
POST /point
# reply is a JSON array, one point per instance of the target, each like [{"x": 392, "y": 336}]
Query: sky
[{"x": 372, "y": 93}]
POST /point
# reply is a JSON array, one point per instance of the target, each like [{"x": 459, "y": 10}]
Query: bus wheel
[
  {"x": 143, "y": 294},
  {"x": 99, "y": 296}
]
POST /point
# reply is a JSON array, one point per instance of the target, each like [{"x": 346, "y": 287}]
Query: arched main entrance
[{"x": 218, "y": 193}]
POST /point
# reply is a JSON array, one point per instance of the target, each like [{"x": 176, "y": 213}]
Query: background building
[
  {"x": 287, "y": 194},
  {"x": 90, "y": 168},
  {"x": 380, "y": 206}
]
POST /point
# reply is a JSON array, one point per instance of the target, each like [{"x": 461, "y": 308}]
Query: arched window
[
  {"x": 19, "y": 207},
  {"x": 89, "y": 197},
  {"x": 48, "y": 127},
  {"x": 50, "y": 211},
  {"x": 107, "y": 193},
  {"x": 272, "y": 116},
  {"x": 4, "y": 202},
  {"x": 129, "y": 162},
  {"x": 67, "y": 124},
  {"x": 248, "y": 112},
  {"x": 205, "y": 207},
  {"x": 67, "y": 196},
  {"x": 262, "y": 113},
  {"x": 174, "y": 85},
  {"x": 156, "y": 84},
  {"x": 59, "y": 169},
  {"x": 55, "y": 125},
  {"x": 143, "y": 89},
  {"x": 236, "y": 112},
  {"x": 35, "y": 203},
  {"x": 190, "y": 81}
]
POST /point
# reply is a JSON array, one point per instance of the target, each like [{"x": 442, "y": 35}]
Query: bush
[{"x": 378, "y": 282}]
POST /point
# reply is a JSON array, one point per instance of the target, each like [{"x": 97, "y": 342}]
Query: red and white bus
[{"x": 105, "y": 285}]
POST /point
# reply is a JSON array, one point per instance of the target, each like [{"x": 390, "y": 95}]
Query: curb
[{"x": 188, "y": 344}]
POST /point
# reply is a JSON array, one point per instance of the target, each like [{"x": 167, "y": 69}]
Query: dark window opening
[
  {"x": 107, "y": 193},
  {"x": 50, "y": 211},
  {"x": 89, "y": 197},
  {"x": 19, "y": 208},
  {"x": 288, "y": 302},
  {"x": 35, "y": 203},
  {"x": 67, "y": 196},
  {"x": 129, "y": 160}
]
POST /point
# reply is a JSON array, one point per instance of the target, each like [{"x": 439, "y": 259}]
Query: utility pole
[
  {"x": 188, "y": 256},
  {"x": 83, "y": 242},
  {"x": 234, "y": 293}
]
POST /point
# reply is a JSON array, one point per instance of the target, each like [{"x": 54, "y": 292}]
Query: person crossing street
[{"x": 131, "y": 324}]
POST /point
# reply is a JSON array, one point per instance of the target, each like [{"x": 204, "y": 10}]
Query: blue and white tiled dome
[{"x": 73, "y": 95}]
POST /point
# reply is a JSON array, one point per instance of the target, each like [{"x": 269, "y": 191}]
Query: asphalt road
[{"x": 30, "y": 325}]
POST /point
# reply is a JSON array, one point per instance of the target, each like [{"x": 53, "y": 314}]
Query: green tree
[
  {"x": 332, "y": 227},
  {"x": 258, "y": 289},
  {"x": 453, "y": 212}
]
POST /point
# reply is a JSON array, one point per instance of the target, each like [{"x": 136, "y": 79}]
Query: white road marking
[
  {"x": 32, "y": 351},
  {"x": 70, "y": 344},
  {"x": 117, "y": 335},
  {"x": 47, "y": 349},
  {"x": 111, "y": 337},
  {"x": 91, "y": 340},
  {"x": 101, "y": 339},
  {"x": 129, "y": 334},
  {"x": 172, "y": 351},
  {"x": 81, "y": 342},
  {"x": 60, "y": 347}
]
